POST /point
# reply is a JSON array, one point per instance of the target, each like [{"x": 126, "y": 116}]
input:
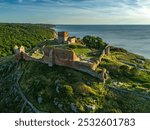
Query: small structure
[
  {"x": 18, "y": 51},
  {"x": 63, "y": 37},
  {"x": 22, "y": 49},
  {"x": 71, "y": 40}
]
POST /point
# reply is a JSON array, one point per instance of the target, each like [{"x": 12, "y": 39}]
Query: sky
[{"x": 75, "y": 11}]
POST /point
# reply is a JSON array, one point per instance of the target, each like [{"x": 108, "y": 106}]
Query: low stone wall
[
  {"x": 84, "y": 67},
  {"x": 59, "y": 56},
  {"x": 29, "y": 58}
]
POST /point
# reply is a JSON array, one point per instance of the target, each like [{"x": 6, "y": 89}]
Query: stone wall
[
  {"x": 48, "y": 56},
  {"x": 29, "y": 58},
  {"x": 68, "y": 58},
  {"x": 107, "y": 50},
  {"x": 59, "y": 56},
  {"x": 87, "y": 68}
]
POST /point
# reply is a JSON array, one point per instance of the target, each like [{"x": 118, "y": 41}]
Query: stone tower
[{"x": 63, "y": 37}]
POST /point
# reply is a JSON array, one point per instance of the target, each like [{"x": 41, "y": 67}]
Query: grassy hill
[
  {"x": 61, "y": 89},
  {"x": 28, "y": 86},
  {"x": 27, "y": 35}
]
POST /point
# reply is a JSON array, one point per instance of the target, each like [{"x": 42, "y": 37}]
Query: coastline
[{"x": 129, "y": 37}]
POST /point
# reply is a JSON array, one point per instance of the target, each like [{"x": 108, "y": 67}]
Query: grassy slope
[
  {"x": 39, "y": 80},
  {"x": 127, "y": 72},
  {"x": 10, "y": 99},
  {"x": 85, "y": 91},
  {"x": 44, "y": 80}
]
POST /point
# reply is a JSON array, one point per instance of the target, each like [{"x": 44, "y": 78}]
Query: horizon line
[{"x": 69, "y": 24}]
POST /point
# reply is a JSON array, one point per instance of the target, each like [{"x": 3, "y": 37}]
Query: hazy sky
[{"x": 76, "y": 11}]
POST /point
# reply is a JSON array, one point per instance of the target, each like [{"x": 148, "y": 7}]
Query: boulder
[
  {"x": 73, "y": 107},
  {"x": 90, "y": 108}
]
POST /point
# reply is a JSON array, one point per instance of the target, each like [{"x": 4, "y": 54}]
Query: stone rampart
[{"x": 67, "y": 58}]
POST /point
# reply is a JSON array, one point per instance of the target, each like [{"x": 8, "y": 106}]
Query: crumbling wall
[
  {"x": 69, "y": 59},
  {"x": 62, "y": 54},
  {"x": 86, "y": 67},
  {"x": 107, "y": 50},
  {"x": 29, "y": 58},
  {"x": 48, "y": 56},
  {"x": 66, "y": 58},
  {"x": 59, "y": 56}
]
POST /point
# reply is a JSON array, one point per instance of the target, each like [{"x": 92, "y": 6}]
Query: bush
[
  {"x": 125, "y": 70},
  {"x": 75, "y": 46},
  {"x": 124, "y": 67},
  {"x": 146, "y": 85},
  {"x": 66, "y": 90},
  {"x": 94, "y": 42},
  {"x": 118, "y": 49},
  {"x": 134, "y": 72},
  {"x": 134, "y": 85}
]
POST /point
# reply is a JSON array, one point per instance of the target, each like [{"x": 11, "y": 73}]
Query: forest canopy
[{"x": 27, "y": 35}]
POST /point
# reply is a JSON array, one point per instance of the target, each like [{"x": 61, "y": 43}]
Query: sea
[{"x": 134, "y": 38}]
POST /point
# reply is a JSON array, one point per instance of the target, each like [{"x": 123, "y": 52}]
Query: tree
[
  {"x": 66, "y": 90},
  {"x": 27, "y": 35},
  {"x": 94, "y": 42}
]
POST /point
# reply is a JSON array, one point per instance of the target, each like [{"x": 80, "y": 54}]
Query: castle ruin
[
  {"x": 67, "y": 58},
  {"x": 63, "y": 37}
]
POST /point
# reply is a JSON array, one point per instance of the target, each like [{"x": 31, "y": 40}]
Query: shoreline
[{"x": 123, "y": 38}]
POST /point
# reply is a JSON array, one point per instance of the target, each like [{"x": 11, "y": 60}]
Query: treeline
[{"x": 27, "y": 35}]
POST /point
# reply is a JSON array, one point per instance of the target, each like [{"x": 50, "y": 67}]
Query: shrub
[
  {"x": 134, "y": 85},
  {"x": 124, "y": 67},
  {"x": 66, "y": 90},
  {"x": 72, "y": 46},
  {"x": 146, "y": 85},
  {"x": 94, "y": 42},
  {"x": 118, "y": 49}
]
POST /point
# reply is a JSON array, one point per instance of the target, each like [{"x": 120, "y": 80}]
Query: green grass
[
  {"x": 121, "y": 69},
  {"x": 84, "y": 52},
  {"x": 75, "y": 87}
]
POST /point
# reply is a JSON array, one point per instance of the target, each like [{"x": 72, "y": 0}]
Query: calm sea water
[{"x": 134, "y": 38}]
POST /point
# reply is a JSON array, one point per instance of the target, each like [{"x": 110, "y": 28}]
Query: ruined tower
[{"x": 63, "y": 37}]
